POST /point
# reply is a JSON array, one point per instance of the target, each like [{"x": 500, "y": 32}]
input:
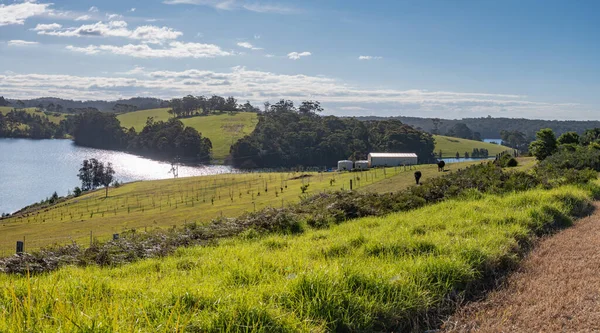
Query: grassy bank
[
  {"x": 450, "y": 146},
  {"x": 52, "y": 116},
  {"x": 223, "y": 130},
  {"x": 370, "y": 274},
  {"x": 164, "y": 203}
]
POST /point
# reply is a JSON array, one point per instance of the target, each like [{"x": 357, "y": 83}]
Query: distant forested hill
[
  {"x": 490, "y": 127},
  {"x": 140, "y": 103}
]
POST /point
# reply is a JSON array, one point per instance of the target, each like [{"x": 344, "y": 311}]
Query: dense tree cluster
[
  {"x": 480, "y": 153},
  {"x": 163, "y": 140},
  {"x": 189, "y": 105},
  {"x": 515, "y": 139},
  {"x": 170, "y": 140},
  {"x": 546, "y": 144},
  {"x": 22, "y": 124},
  {"x": 3, "y": 101},
  {"x": 287, "y": 136},
  {"x": 71, "y": 106},
  {"x": 461, "y": 130},
  {"x": 94, "y": 174},
  {"x": 123, "y": 108}
]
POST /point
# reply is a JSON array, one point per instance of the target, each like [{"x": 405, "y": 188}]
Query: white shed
[
  {"x": 345, "y": 165},
  {"x": 392, "y": 159},
  {"x": 361, "y": 165}
]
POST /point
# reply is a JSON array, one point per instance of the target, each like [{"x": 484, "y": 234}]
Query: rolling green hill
[
  {"x": 223, "y": 130},
  {"x": 53, "y": 117},
  {"x": 450, "y": 146}
]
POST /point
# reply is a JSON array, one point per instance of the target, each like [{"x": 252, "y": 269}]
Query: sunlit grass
[
  {"x": 53, "y": 117},
  {"x": 164, "y": 203},
  {"x": 223, "y": 130},
  {"x": 378, "y": 273}
]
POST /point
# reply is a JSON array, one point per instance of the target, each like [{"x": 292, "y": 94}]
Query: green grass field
[
  {"x": 164, "y": 203},
  {"x": 223, "y": 130},
  {"x": 370, "y": 274},
  {"x": 51, "y": 117},
  {"x": 450, "y": 146}
]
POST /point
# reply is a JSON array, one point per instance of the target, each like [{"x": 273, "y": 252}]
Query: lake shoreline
[{"x": 34, "y": 169}]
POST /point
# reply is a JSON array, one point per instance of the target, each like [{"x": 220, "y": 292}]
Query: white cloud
[
  {"x": 114, "y": 17},
  {"x": 269, "y": 55},
  {"x": 174, "y": 50},
  {"x": 19, "y": 12},
  {"x": 260, "y": 86},
  {"x": 18, "y": 42},
  {"x": 296, "y": 55},
  {"x": 352, "y": 108},
  {"x": 93, "y": 9},
  {"x": 145, "y": 33},
  {"x": 83, "y": 18},
  {"x": 247, "y": 45},
  {"x": 236, "y": 5},
  {"x": 369, "y": 58},
  {"x": 43, "y": 27},
  {"x": 132, "y": 9},
  {"x": 256, "y": 36}
]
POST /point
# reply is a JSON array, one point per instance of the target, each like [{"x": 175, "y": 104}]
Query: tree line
[
  {"x": 189, "y": 106},
  {"x": 548, "y": 144},
  {"x": 22, "y": 124},
  {"x": 289, "y": 136},
  {"x": 166, "y": 140},
  {"x": 53, "y": 104},
  {"x": 491, "y": 127}
]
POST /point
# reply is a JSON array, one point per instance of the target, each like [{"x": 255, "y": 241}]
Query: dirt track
[{"x": 557, "y": 288}]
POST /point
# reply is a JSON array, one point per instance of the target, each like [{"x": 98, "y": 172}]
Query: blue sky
[{"x": 450, "y": 59}]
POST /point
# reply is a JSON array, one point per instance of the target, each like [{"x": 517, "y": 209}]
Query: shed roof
[{"x": 393, "y": 155}]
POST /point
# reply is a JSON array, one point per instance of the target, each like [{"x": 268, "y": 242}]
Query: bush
[
  {"x": 512, "y": 163},
  {"x": 77, "y": 191}
]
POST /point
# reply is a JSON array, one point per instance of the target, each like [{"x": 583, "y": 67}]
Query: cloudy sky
[{"x": 449, "y": 59}]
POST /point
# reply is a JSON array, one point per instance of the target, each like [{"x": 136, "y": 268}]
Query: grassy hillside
[
  {"x": 449, "y": 146},
  {"x": 164, "y": 203},
  {"x": 223, "y": 130},
  {"x": 372, "y": 274},
  {"x": 52, "y": 117},
  {"x": 138, "y": 119}
]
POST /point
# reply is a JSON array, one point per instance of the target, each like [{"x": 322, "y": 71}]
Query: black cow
[
  {"x": 441, "y": 165},
  {"x": 418, "y": 176}
]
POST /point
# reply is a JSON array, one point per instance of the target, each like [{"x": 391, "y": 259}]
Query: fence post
[
  {"x": 20, "y": 247},
  {"x": 350, "y": 184}
]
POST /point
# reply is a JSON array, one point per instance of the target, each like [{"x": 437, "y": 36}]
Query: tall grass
[{"x": 397, "y": 272}]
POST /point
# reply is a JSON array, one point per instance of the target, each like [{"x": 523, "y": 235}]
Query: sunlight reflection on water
[{"x": 31, "y": 170}]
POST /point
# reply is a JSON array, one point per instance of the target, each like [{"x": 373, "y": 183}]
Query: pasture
[
  {"x": 164, "y": 203},
  {"x": 391, "y": 273},
  {"x": 450, "y": 146},
  {"x": 223, "y": 130},
  {"x": 52, "y": 116}
]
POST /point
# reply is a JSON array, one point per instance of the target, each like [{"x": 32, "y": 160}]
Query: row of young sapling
[{"x": 223, "y": 191}]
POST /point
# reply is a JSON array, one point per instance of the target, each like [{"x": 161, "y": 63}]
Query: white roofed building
[{"x": 392, "y": 159}]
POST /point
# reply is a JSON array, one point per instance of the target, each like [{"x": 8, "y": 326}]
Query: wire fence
[{"x": 144, "y": 207}]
